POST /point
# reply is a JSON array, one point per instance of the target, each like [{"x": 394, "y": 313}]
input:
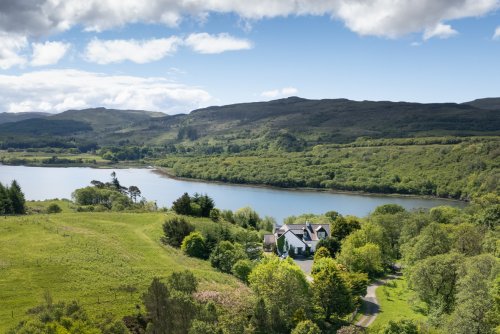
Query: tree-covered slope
[
  {"x": 7, "y": 117},
  {"x": 294, "y": 121},
  {"x": 459, "y": 169},
  {"x": 106, "y": 119},
  {"x": 344, "y": 120}
]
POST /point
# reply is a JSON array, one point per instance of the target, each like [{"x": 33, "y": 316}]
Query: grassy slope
[
  {"x": 87, "y": 257},
  {"x": 396, "y": 303}
]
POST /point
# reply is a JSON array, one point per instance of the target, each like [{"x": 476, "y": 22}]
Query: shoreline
[{"x": 162, "y": 171}]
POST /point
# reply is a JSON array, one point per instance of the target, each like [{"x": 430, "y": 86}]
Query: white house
[{"x": 300, "y": 237}]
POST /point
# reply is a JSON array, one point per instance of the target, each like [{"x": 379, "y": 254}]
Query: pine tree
[
  {"x": 260, "y": 318},
  {"x": 182, "y": 205},
  {"x": 156, "y": 301},
  {"x": 5, "y": 202},
  {"x": 17, "y": 198}
]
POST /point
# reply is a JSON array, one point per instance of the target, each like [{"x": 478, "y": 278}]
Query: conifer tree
[
  {"x": 17, "y": 198},
  {"x": 156, "y": 301},
  {"x": 5, "y": 202}
]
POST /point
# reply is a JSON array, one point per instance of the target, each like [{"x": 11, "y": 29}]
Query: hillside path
[{"x": 371, "y": 305}]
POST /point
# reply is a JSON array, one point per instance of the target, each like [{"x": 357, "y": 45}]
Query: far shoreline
[{"x": 162, "y": 171}]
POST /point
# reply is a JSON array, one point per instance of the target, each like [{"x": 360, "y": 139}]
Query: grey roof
[{"x": 307, "y": 230}]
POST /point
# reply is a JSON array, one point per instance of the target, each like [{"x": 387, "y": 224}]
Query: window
[{"x": 321, "y": 234}]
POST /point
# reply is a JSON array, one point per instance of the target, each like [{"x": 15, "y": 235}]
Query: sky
[{"x": 178, "y": 55}]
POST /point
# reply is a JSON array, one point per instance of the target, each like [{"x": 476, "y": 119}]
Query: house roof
[{"x": 308, "y": 230}]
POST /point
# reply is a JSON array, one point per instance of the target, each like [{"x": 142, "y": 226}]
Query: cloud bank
[
  {"x": 385, "y": 18},
  {"x": 60, "y": 90},
  {"x": 141, "y": 52},
  {"x": 210, "y": 44},
  {"x": 48, "y": 53}
]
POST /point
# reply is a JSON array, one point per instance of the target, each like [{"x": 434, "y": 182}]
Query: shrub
[
  {"x": 306, "y": 327},
  {"x": 53, "y": 208},
  {"x": 225, "y": 255},
  {"x": 175, "y": 229},
  {"x": 242, "y": 268},
  {"x": 321, "y": 253},
  {"x": 194, "y": 245}
]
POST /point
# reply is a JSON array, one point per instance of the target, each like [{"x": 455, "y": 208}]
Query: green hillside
[
  {"x": 295, "y": 121},
  {"x": 107, "y": 119},
  {"x": 492, "y": 103},
  {"x": 7, "y": 117},
  {"x": 96, "y": 258},
  {"x": 444, "y": 167},
  {"x": 34, "y": 127},
  {"x": 437, "y": 149}
]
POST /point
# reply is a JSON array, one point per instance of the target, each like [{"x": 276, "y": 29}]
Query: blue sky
[{"x": 175, "y": 56}]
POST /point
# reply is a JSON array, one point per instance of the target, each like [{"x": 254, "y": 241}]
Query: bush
[
  {"x": 175, "y": 229},
  {"x": 306, "y": 327},
  {"x": 225, "y": 255},
  {"x": 53, "y": 208},
  {"x": 194, "y": 245},
  {"x": 404, "y": 326},
  {"x": 321, "y": 253},
  {"x": 242, "y": 268}
]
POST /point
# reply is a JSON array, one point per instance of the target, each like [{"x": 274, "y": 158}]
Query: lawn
[
  {"x": 103, "y": 260},
  {"x": 396, "y": 302}
]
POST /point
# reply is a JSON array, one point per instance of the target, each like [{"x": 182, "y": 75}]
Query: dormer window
[{"x": 321, "y": 233}]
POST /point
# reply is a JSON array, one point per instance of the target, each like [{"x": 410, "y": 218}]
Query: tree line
[{"x": 12, "y": 199}]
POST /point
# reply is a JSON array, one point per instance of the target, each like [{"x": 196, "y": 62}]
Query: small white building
[{"x": 301, "y": 237}]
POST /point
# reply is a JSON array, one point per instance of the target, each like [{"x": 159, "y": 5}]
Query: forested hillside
[
  {"x": 293, "y": 123},
  {"x": 439, "y": 149}
]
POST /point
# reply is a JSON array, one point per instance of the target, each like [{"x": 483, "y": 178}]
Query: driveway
[
  {"x": 306, "y": 265},
  {"x": 371, "y": 306}
]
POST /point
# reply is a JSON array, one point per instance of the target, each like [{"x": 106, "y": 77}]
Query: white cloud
[
  {"x": 141, "y": 52},
  {"x": 283, "y": 92},
  {"x": 496, "y": 34},
  {"x": 386, "y": 18},
  {"x": 440, "y": 31},
  {"x": 10, "y": 48},
  {"x": 48, "y": 53},
  {"x": 210, "y": 44},
  {"x": 59, "y": 90}
]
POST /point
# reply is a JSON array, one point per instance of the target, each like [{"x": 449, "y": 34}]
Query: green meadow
[
  {"x": 396, "y": 302},
  {"x": 103, "y": 260}
]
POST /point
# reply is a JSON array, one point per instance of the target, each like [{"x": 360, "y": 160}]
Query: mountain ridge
[{"x": 304, "y": 122}]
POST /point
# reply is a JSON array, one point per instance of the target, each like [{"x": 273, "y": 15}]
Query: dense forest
[{"x": 459, "y": 170}]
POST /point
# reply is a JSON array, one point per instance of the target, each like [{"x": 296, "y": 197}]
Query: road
[{"x": 371, "y": 306}]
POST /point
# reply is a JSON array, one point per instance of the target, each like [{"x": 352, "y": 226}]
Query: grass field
[
  {"x": 396, "y": 302},
  {"x": 43, "y": 158},
  {"x": 103, "y": 260}
]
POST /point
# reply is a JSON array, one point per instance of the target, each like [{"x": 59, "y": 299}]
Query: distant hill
[
  {"x": 342, "y": 120},
  {"x": 102, "y": 118},
  {"x": 43, "y": 126},
  {"x": 6, "y": 117},
  {"x": 293, "y": 123},
  {"x": 492, "y": 103}
]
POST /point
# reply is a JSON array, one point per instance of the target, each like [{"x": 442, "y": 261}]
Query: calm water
[{"x": 39, "y": 183}]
